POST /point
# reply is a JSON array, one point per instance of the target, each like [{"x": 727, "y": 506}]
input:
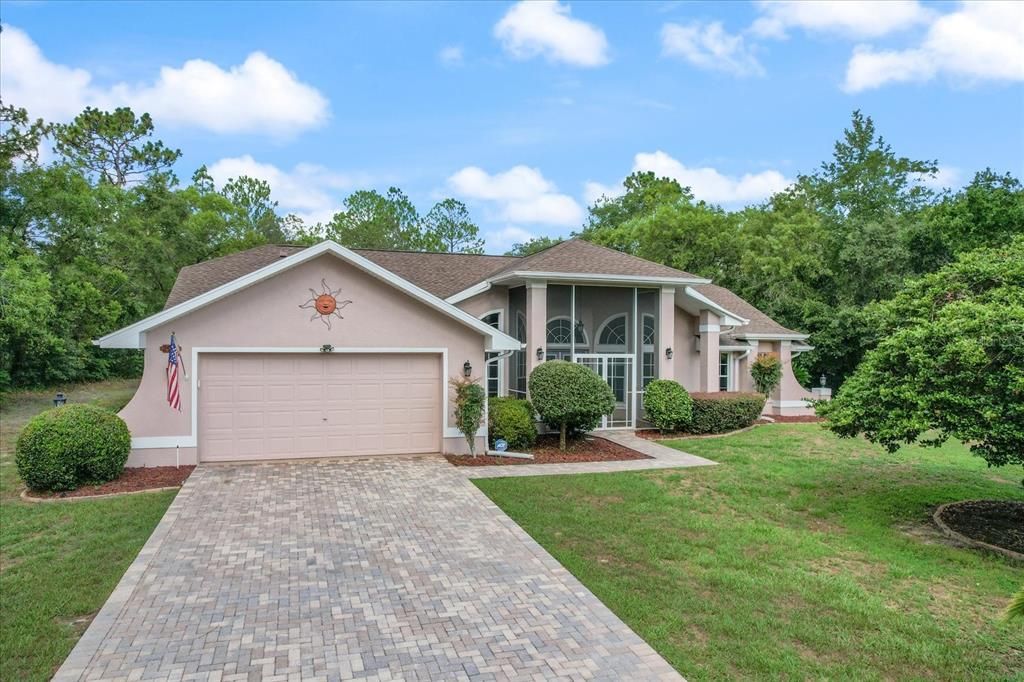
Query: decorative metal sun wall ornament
[{"x": 325, "y": 304}]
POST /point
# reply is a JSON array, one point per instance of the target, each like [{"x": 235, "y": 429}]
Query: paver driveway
[{"x": 386, "y": 568}]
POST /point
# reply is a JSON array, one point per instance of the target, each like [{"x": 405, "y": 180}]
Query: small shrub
[
  {"x": 721, "y": 412},
  {"x": 766, "y": 371},
  {"x": 511, "y": 419},
  {"x": 668, "y": 405},
  {"x": 68, "y": 446},
  {"x": 469, "y": 409},
  {"x": 569, "y": 397}
]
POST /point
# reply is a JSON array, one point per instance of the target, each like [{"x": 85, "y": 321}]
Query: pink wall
[
  {"x": 268, "y": 315},
  {"x": 685, "y": 358}
]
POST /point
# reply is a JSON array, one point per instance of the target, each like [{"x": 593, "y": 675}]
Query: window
[
  {"x": 724, "y": 371},
  {"x": 520, "y": 356},
  {"x": 559, "y": 330},
  {"x": 647, "y": 369},
  {"x": 493, "y": 368},
  {"x": 613, "y": 332}
]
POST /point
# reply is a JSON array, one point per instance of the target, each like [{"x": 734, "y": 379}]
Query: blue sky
[{"x": 528, "y": 111}]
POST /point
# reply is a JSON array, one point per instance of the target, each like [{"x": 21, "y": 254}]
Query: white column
[
  {"x": 666, "y": 333},
  {"x": 536, "y": 322}
]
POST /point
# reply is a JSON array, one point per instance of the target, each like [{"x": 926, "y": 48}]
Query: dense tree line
[{"x": 93, "y": 237}]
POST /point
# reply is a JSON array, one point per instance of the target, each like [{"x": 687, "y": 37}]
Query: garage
[{"x": 254, "y": 406}]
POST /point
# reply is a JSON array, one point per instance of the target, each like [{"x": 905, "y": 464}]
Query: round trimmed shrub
[
  {"x": 511, "y": 419},
  {"x": 721, "y": 412},
  {"x": 569, "y": 397},
  {"x": 668, "y": 405},
  {"x": 67, "y": 446}
]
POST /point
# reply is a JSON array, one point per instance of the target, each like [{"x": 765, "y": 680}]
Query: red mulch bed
[
  {"x": 130, "y": 480},
  {"x": 545, "y": 451}
]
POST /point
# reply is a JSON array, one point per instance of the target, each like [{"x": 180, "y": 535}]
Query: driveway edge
[{"x": 89, "y": 643}]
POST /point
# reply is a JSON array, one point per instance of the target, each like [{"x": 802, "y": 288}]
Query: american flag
[{"x": 173, "y": 360}]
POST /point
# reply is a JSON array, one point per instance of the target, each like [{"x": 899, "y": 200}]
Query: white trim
[
  {"x": 472, "y": 291},
  {"x": 192, "y": 440},
  {"x": 730, "y": 318},
  {"x": 572, "y": 334},
  {"x": 612, "y": 347},
  {"x": 771, "y": 337},
  {"x": 498, "y": 362},
  {"x": 131, "y": 336},
  {"x": 709, "y": 328},
  {"x": 630, "y": 280}
]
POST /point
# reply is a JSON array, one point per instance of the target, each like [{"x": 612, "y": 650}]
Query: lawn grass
[
  {"x": 60, "y": 561},
  {"x": 803, "y": 556}
]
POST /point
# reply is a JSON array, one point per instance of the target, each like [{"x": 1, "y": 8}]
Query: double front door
[{"x": 617, "y": 370}]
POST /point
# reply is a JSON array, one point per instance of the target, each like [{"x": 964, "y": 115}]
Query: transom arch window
[
  {"x": 612, "y": 335},
  {"x": 559, "y": 332}
]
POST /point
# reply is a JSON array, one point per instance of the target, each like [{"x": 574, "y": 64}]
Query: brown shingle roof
[
  {"x": 759, "y": 322},
  {"x": 577, "y": 255},
  {"x": 197, "y": 279}
]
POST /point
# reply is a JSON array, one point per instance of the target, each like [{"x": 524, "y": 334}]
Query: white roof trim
[
  {"x": 729, "y": 319},
  {"x": 472, "y": 291},
  {"x": 591, "y": 277},
  {"x": 770, "y": 337},
  {"x": 132, "y": 336}
]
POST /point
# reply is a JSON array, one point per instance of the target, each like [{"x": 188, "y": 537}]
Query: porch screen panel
[
  {"x": 606, "y": 316},
  {"x": 558, "y": 336},
  {"x": 648, "y": 309},
  {"x": 516, "y": 326}
]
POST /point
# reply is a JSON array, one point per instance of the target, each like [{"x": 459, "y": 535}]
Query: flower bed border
[{"x": 969, "y": 541}]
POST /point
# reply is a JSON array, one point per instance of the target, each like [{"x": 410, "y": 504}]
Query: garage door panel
[{"x": 312, "y": 405}]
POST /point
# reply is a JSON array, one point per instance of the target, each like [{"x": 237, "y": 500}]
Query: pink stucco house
[{"x": 310, "y": 351}]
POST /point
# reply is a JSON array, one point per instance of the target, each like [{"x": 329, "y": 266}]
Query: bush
[
  {"x": 511, "y": 419},
  {"x": 569, "y": 397},
  {"x": 668, "y": 405},
  {"x": 721, "y": 412},
  {"x": 68, "y": 446},
  {"x": 469, "y": 409},
  {"x": 766, "y": 371}
]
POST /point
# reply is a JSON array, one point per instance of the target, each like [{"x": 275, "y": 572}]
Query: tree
[
  {"x": 448, "y": 227},
  {"x": 533, "y": 246},
  {"x": 114, "y": 145},
  {"x": 645, "y": 192},
  {"x": 257, "y": 221},
  {"x": 374, "y": 221},
  {"x": 19, "y": 135},
  {"x": 951, "y": 361}
]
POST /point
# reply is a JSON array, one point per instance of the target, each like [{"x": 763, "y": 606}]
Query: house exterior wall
[
  {"x": 267, "y": 316},
  {"x": 685, "y": 358}
]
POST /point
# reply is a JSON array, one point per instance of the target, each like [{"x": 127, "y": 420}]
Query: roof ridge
[{"x": 436, "y": 253}]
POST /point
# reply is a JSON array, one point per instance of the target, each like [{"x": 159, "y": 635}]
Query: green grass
[
  {"x": 60, "y": 561},
  {"x": 802, "y": 556}
]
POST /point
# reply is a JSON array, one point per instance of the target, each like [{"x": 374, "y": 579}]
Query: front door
[{"x": 617, "y": 370}]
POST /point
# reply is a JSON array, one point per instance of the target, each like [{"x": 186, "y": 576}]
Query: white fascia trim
[
  {"x": 729, "y": 319},
  {"x": 130, "y": 336},
  {"x": 474, "y": 290},
  {"x": 771, "y": 337},
  {"x": 589, "y": 277},
  {"x": 734, "y": 349}
]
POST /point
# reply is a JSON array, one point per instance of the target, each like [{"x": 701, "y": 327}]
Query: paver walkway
[
  {"x": 383, "y": 568},
  {"x": 663, "y": 457}
]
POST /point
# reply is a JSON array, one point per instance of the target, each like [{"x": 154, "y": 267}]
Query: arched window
[
  {"x": 612, "y": 333},
  {"x": 495, "y": 370},
  {"x": 560, "y": 332}
]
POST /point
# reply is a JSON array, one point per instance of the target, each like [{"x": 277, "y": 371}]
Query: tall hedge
[
  {"x": 721, "y": 412},
  {"x": 569, "y": 397},
  {"x": 69, "y": 446}
]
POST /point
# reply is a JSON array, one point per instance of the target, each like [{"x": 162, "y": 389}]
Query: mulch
[
  {"x": 545, "y": 451},
  {"x": 131, "y": 480},
  {"x": 996, "y": 522}
]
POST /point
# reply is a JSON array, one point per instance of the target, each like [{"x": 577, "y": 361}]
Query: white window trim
[
  {"x": 613, "y": 347},
  {"x": 501, "y": 364},
  {"x": 730, "y": 378},
  {"x": 572, "y": 332}
]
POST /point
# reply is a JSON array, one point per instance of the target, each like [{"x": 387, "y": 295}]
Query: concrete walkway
[
  {"x": 663, "y": 458},
  {"x": 387, "y": 568}
]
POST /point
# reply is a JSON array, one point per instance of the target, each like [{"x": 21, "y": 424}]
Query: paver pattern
[{"x": 372, "y": 569}]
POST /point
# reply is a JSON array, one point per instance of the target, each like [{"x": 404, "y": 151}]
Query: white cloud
[
  {"x": 592, "y": 191},
  {"x": 257, "y": 96},
  {"x": 451, "y": 55},
  {"x": 711, "y": 185},
  {"x": 709, "y": 46},
  {"x": 979, "y": 41},
  {"x": 308, "y": 190},
  {"x": 544, "y": 27},
  {"x": 521, "y": 194},
  {"x": 853, "y": 18},
  {"x": 503, "y": 239},
  {"x": 947, "y": 177}
]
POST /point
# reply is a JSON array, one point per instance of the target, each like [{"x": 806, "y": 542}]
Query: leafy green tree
[
  {"x": 19, "y": 135},
  {"x": 950, "y": 363},
  {"x": 115, "y": 145},
  {"x": 448, "y": 227},
  {"x": 533, "y": 246},
  {"x": 645, "y": 192},
  {"x": 370, "y": 220}
]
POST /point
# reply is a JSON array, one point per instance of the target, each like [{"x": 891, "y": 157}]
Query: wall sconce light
[
  {"x": 668, "y": 353},
  {"x": 327, "y": 348},
  {"x": 467, "y": 369},
  {"x": 540, "y": 353},
  {"x": 822, "y": 380},
  {"x": 59, "y": 400}
]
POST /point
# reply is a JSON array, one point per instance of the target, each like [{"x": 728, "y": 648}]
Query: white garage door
[{"x": 278, "y": 406}]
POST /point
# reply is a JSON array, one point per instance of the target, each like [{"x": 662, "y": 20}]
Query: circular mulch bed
[
  {"x": 545, "y": 451},
  {"x": 992, "y": 524},
  {"x": 133, "y": 480}
]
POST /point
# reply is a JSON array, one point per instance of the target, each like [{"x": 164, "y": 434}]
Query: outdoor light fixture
[
  {"x": 59, "y": 400},
  {"x": 467, "y": 369},
  {"x": 327, "y": 348},
  {"x": 540, "y": 353},
  {"x": 822, "y": 381},
  {"x": 668, "y": 353}
]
